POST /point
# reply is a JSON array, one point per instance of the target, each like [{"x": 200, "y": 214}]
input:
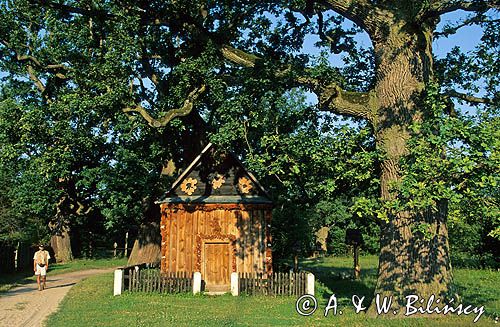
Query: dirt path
[{"x": 26, "y": 306}]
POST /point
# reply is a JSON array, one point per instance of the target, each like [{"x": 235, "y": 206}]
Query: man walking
[{"x": 41, "y": 265}]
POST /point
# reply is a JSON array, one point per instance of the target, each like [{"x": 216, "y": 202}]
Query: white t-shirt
[{"x": 41, "y": 257}]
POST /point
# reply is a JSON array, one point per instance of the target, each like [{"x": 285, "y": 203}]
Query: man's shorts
[{"x": 41, "y": 270}]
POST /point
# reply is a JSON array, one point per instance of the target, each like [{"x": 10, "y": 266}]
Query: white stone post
[
  {"x": 126, "y": 245},
  {"x": 16, "y": 257},
  {"x": 235, "y": 284},
  {"x": 119, "y": 282},
  {"x": 197, "y": 282},
  {"x": 310, "y": 284}
]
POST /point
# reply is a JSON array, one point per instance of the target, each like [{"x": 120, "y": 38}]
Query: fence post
[
  {"x": 118, "y": 284},
  {"x": 196, "y": 282},
  {"x": 16, "y": 258},
  {"x": 235, "y": 284},
  {"x": 126, "y": 245},
  {"x": 310, "y": 284},
  {"x": 90, "y": 244}
]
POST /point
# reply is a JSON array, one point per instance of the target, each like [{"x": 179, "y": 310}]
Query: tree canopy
[{"x": 85, "y": 77}]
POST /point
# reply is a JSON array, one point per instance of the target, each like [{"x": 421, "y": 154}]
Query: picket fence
[
  {"x": 278, "y": 283},
  {"x": 141, "y": 279},
  {"x": 151, "y": 280}
]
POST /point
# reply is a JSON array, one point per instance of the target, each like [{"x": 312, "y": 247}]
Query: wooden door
[{"x": 216, "y": 263}]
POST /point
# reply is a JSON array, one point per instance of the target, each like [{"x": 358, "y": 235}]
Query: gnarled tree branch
[
  {"x": 331, "y": 97},
  {"x": 171, "y": 114},
  {"x": 239, "y": 57},
  {"x": 358, "y": 11},
  {"x": 321, "y": 31},
  {"x": 466, "y": 97},
  {"x": 334, "y": 99},
  {"x": 355, "y": 104},
  {"x": 448, "y": 30},
  {"x": 55, "y": 68},
  {"x": 151, "y": 74},
  {"x": 38, "y": 83},
  {"x": 439, "y": 7}
]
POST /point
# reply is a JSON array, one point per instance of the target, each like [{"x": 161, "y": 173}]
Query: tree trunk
[
  {"x": 147, "y": 247},
  {"x": 61, "y": 244},
  {"x": 410, "y": 263}
]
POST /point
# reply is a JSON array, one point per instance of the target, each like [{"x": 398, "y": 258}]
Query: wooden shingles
[{"x": 205, "y": 168}]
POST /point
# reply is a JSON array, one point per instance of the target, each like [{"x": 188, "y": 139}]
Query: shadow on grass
[
  {"x": 338, "y": 279},
  {"x": 478, "y": 296},
  {"x": 7, "y": 281}
]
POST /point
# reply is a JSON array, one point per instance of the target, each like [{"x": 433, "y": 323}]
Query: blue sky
[{"x": 466, "y": 38}]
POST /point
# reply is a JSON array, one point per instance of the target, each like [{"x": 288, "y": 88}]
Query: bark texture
[
  {"x": 410, "y": 263},
  {"x": 61, "y": 244},
  {"x": 147, "y": 247}
]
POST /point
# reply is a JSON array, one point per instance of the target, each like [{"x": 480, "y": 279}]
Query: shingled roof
[{"x": 216, "y": 177}]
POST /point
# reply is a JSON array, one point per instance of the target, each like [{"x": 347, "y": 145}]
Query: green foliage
[
  {"x": 472, "y": 139},
  {"x": 311, "y": 164},
  {"x": 454, "y": 159},
  {"x": 104, "y": 64},
  {"x": 70, "y": 156}
]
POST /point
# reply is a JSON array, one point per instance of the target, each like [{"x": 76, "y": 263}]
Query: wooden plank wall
[{"x": 179, "y": 228}]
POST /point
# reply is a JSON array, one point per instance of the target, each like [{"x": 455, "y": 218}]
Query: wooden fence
[
  {"x": 274, "y": 284},
  {"x": 151, "y": 280},
  {"x": 142, "y": 279}
]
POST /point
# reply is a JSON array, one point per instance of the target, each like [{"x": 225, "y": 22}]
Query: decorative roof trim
[
  {"x": 216, "y": 199},
  {"x": 188, "y": 169},
  {"x": 193, "y": 165}
]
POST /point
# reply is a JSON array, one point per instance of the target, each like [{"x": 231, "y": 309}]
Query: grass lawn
[
  {"x": 7, "y": 281},
  {"x": 91, "y": 303}
]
